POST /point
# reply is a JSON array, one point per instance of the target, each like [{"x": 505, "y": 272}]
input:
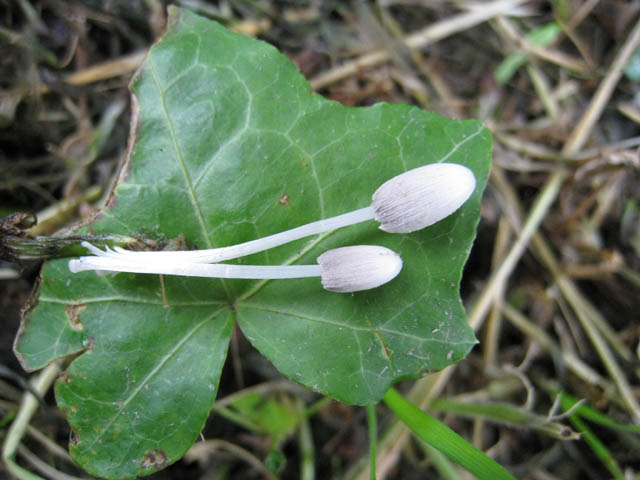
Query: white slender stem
[
  {"x": 216, "y": 270},
  {"x": 221, "y": 254}
]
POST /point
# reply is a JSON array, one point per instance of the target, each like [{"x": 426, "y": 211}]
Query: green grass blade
[
  {"x": 505, "y": 414},
  {"x": 445, "y": 467},
  {"x": 589, "y": 413},
  {"x": 441, "y": 437},
  {"x": 599, "y": 448},
  {"x": 541, "y": 37}
]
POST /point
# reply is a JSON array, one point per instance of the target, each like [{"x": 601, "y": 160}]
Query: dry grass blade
[
  {"x": 582, "y": 131},
  {"x": 44, "y": 467},
  {"x": 574, "y": 297},
  {"x": 549, "y": 55},
  {"x": 201, "y": 452},
  {"x": 573, "y": 362},
  {"x": 421, "y": 39},
  {"x": 19, "y": 426}
]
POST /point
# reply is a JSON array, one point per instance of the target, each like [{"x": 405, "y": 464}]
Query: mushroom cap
[
  {"x": 421, "y": 197},
  {"x": 356, "y": 268}
]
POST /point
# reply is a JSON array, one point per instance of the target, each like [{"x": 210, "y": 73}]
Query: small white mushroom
[
  {"x": 421, "y": 197},
  {"x": 346, "y": 269},
  {"x": 351, "y": 269}
]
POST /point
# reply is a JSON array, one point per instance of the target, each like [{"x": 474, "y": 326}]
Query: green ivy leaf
[{"x": 231, "y": 145}]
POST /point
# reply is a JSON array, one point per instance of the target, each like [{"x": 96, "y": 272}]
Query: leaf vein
[
  {"x": 232, "y": 140},
  {"x": 142, "y": 301},
  {"x": 374, "y": 330},
  {"x": 181, "y": 162},
  {"x": 460, "y": 144},
  {"x": 163, "y": 360}
]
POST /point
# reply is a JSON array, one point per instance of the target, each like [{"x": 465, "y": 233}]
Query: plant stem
[{"x": 21, "y": 248}]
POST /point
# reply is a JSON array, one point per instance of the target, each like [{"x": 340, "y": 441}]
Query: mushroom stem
[
  {"x": 210, "y": 270},
  {"x": 221, "y": 254}
]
